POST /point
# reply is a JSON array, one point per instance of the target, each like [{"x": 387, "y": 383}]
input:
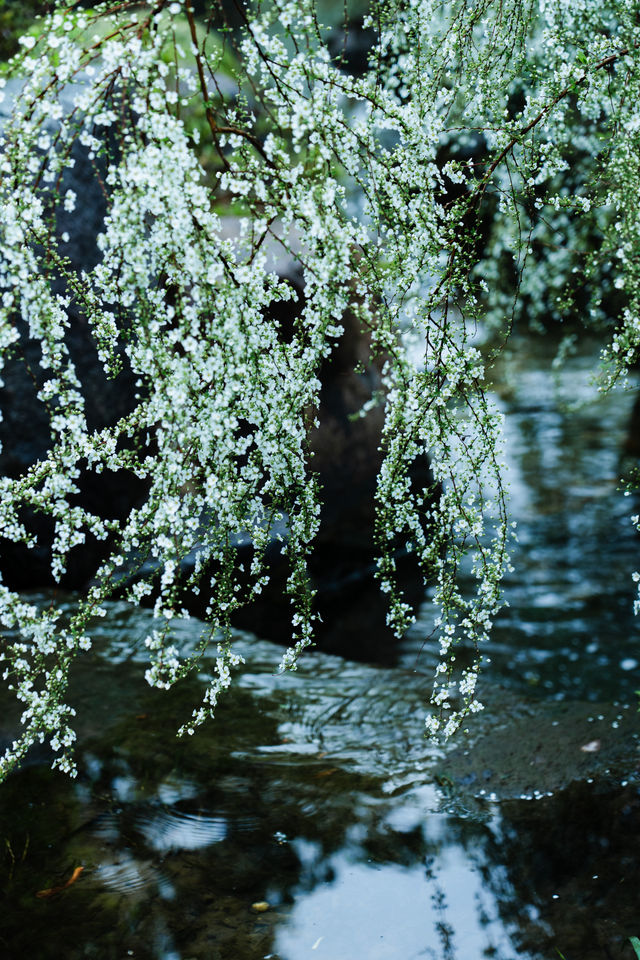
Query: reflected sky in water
[{"x": 569, "y": 629}]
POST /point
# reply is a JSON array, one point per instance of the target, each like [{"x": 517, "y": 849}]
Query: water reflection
[
  {"x": 412, "y": 893},
  {"x": 311, "y": 819},
  {"x": 354, "y": 854},
  {"x": 569, "y": 630}
]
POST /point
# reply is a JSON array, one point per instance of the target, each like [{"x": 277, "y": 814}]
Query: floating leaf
[{"x": 51, "y": 891}]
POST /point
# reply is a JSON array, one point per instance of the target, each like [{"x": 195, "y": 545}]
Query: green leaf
[{"x": 635, "y": 943}]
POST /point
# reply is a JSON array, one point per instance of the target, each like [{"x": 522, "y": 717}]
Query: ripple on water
[
  {"x": 130, "y": 876},
  {"x": 177, "y": 828}
]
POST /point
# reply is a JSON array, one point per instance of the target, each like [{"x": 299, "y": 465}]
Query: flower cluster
[{"x": 424, "y": 196}]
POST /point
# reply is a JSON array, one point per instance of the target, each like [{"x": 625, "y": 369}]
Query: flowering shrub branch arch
[{"x": 480, "y": 133}]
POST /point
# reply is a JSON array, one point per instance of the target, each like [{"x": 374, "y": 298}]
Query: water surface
[{"x": 312, "y": 820}]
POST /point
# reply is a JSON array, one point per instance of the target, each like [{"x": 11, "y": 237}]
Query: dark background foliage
[{"x": 15, "y": 18}]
